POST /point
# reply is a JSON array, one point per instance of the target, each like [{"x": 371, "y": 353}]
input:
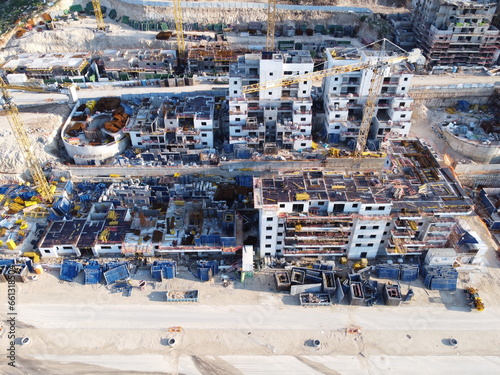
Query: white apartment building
[
  {"x": 405, "y": 209},
  {"x": 280, "y": 115},
  {"x": 346, "y": 94}
]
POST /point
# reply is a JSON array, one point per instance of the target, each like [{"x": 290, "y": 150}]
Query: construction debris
[{"x": 182, "y": 296}]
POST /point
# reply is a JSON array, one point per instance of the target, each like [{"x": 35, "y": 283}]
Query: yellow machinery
[
  {"x": 181, "y": 45},
  {"x": 98, "y": 15},
  {"x": 33, "y": 255},
  {"x": 24, "y": 143},
  {"x": 475, "y": 300},
  {"x": 377, "y": 66},
  {"x": 271, "y": 24}
]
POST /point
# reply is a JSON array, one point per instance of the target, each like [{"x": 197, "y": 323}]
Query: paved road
[{"x": 249, "y": 316}]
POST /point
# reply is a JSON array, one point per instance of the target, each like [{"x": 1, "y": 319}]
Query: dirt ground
[{"x": 42, "y": 123}]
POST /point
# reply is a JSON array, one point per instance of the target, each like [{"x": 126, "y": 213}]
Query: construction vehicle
[
  {"x": 98, "y": 15},
  {"x": 475, "y": 300},
  {"x": 24, "y": 143},
  {"x": 376, "y": 82}
]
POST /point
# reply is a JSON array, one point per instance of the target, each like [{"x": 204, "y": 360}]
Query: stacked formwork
[
  {"x": 356, "y": 295},
  {"x": 69, "y": 270},
  {"x": 115, "y": 272},
  {"x": 404, "y": 272},
  {"x": 298, "y": 276},
  {"x": 392, "y": 295},
  {"x": 207, "y": 269},
  {"x": 329, "y": 282},
  {"x": 282, "y": 280},
  {"x": 440, "y": 277},
  {"x": 161, "y": 270},
  {"x": 409, "y": 272},
  {"x": 388, "y": 271},
  {"x": 92, "y": 273}
]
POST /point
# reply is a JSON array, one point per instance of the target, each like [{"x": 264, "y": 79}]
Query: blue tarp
[
  {"x": 6, "y": 262},
  {"x": 115, "y": 274},
  {"x": 70, "y": 270},
  {"x": 467, "y": 238},
  {"x": 128, "y": 110}
]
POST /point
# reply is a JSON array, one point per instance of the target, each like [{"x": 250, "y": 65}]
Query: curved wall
[{"x": 485, "y": 154}]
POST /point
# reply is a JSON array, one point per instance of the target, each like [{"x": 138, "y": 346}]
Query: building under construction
[
  {"x": 407, "y": 208},
  {"x": 280, "y": 115},
  {"x": 456, "y": 32},
  {"x": 128, "y": 218},
  {"x": 212, "y": 59},
  {"x": 345, "y": 97},
  {"x": 47, "y": 66}
]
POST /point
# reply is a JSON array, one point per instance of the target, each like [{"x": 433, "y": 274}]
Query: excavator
[{"x": 475, "y": 300}]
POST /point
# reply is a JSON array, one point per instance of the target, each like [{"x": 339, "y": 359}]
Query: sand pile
[{"x": 42, "y": 125}]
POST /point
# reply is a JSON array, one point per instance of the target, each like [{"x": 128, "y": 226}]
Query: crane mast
[
  {"x": 24, "y": 143},
  {"x": 181, "y": 45},
  {"x": 98, "y": 15},
  {"x": 369, "y": 110},
  {"x": 271, "y": 24}
]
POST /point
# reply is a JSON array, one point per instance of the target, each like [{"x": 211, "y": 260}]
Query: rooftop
[
  {"x": 414, "y": 182},
  {"x": 47, "y": 61}
]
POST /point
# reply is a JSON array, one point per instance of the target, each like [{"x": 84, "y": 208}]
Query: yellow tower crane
[
  {"x": 377, "y": 66},
  {"x": 98, "y": 15},
  {"x": 181, "y": 45},
  {"x": 271, "y": 24},
  {"x": 24, "y": 143}
]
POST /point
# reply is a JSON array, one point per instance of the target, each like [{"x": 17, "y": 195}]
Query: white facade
[
  {"x": 279, "y": 115},
  {"x": 345, "y": 96}
]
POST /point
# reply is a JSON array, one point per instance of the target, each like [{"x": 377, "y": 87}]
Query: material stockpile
[
  {"x": 182, "y": 296},
  {"x": 315, "y": 299},
  {"x": 440, "y": 277}
]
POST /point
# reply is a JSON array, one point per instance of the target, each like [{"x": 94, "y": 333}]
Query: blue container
[
  {"x": 409, "y": 273},
  {"x": 214, "y": 265},
  {"x": 204, "y": 274},
  {"x": 156, "y": 273},
  {"x": 169, "y": 270}
]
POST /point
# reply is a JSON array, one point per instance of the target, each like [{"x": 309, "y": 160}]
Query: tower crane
[
  {"x": 24, "y": 143},
  {"x": 376, "y": 81},
  {"x": 271, "y": 24},
  {"x": 98, "y": 15},
  {"x": 181, "y": 45}
]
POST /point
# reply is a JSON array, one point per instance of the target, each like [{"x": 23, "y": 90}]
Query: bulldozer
[{"x": 475, "y": 300}]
